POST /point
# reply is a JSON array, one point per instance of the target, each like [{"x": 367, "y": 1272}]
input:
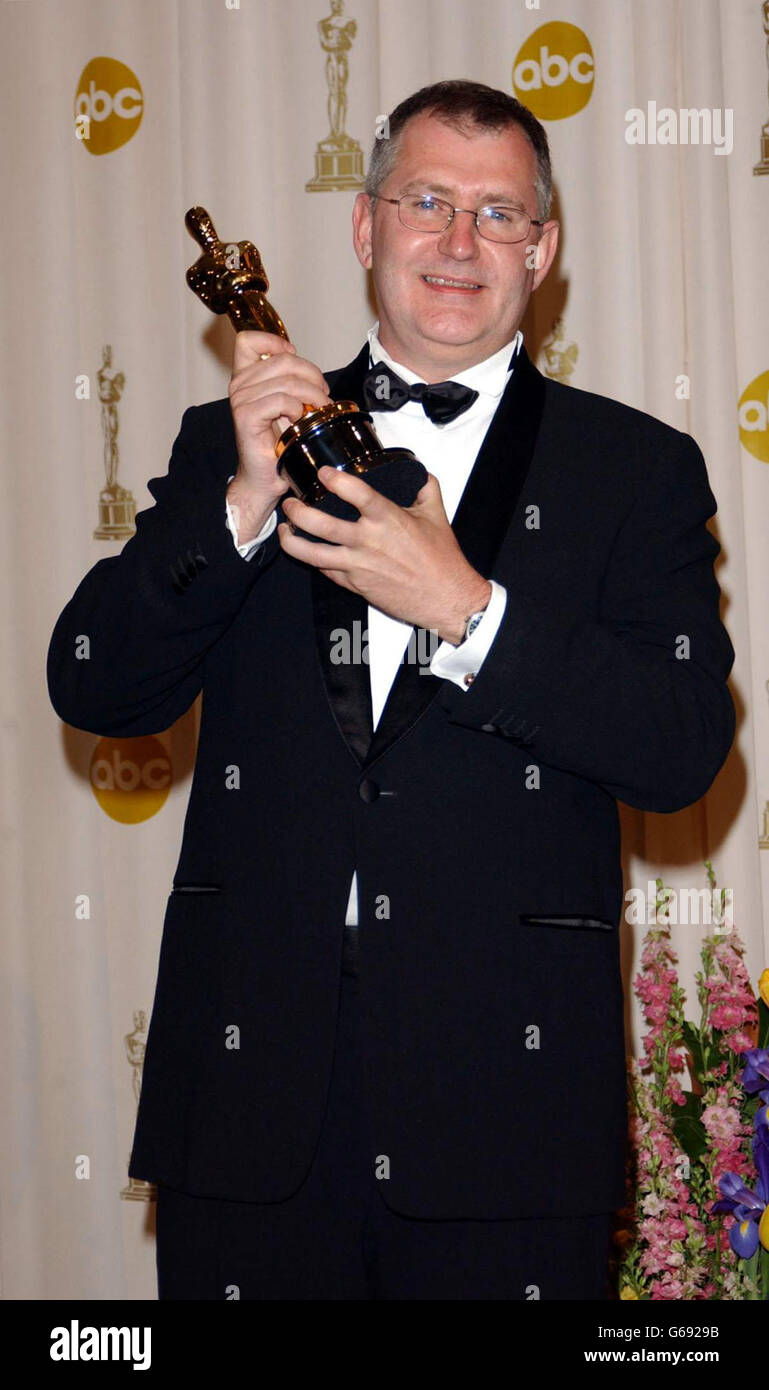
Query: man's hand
[
  {"x": 267, "y": 393},
  {"x": 405, "y": 561}
]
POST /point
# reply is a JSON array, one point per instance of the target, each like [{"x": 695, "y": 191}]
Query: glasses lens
[
  {"x": 503, "y": 224},
  {"x": 423, "y": 213}
]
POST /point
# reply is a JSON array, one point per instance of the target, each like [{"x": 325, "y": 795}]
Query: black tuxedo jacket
[{"x": 482, "y": 822}]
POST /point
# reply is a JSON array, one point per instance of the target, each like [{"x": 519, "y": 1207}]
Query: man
[{"x": 386, "y": 1054}]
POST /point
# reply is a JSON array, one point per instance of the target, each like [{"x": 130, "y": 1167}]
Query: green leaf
[
  {"x": 763, "y": 1024},
  {"x": 763, "y": 1271},
  {"x": 690, "y": 1133},
  {"x": 692, "y": 1040},
  {"x": 692, "y": 1107}
]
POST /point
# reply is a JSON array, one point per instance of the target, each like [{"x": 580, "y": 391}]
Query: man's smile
[{"x": 448, "y": 282}]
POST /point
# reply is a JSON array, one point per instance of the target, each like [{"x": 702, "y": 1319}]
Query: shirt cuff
[
  {"x": 248, "y": 547},
  {"x": 461, "y": 664}
]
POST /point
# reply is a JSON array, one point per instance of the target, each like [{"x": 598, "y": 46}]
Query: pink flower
[{"x": 668, "y": 1213}]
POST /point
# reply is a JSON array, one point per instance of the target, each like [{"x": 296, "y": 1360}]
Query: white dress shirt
[{"x": 448, "y": 452}]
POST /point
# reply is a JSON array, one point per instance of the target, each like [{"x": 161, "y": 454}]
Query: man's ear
[
  {"x": 546, "y": 249},
  {"x": 362, "y": 214}
]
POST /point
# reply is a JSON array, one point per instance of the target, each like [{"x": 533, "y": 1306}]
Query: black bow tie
[{"x": 383, "y": 389}]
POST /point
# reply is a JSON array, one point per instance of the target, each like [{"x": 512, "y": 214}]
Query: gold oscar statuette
[{"x": 230, "y": 279}]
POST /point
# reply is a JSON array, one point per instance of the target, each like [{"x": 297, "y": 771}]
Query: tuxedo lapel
[
  {"x": 341, "y": 617},
  {"x": 347, "y": 383},
  {"x": 480, "y": 523}
]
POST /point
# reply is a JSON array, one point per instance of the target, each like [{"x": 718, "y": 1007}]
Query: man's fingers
[
  {"x": 312, "y": 552},
  {"x": 354, "y": 490},
  {"x": 251, "y": 344},
  {"x": 318, "y": 523},
  {"x": 294, "y": 369},
  {"x": 295, "y": 375},
  {"x": 253, "y": 418}
]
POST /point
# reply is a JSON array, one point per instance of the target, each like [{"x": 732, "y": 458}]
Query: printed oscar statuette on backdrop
[
  {"x": 137, "y": 1189},
  {"x": 117, "y": 508},
  {"x": 763, "y": 165},
  {"x": 230, "y": 279},
  {"x": 560, "y": 355},
  {"x": 338, "y": 158}
]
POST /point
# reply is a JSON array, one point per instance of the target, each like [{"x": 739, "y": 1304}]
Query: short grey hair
[{"x": 464, "y": 104}]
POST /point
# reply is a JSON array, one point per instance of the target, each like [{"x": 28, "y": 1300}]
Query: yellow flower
[
  {"x": 627, "y": 1292},
  {"x": 763, "y": 986}
]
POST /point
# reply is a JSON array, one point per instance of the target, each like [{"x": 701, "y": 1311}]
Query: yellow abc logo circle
[
  {"x": 753, "y": 414},
  {"x": 554, "y": 71},
  {"x": 109, "y": 105},
  {"x": 130, "y": 777}
]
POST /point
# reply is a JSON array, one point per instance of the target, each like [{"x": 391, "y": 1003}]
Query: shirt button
[
  {"x": 469, "y": 678},
  {"x": 368, "y": 790}
]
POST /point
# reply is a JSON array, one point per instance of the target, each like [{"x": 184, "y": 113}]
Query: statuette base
[
  {"x": 338, "y": 165},
  {"x": 117, "y": 512}
]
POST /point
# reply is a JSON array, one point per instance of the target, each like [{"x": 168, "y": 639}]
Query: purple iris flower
[
  {"x": 755, "y": 1077},
  {"x": 745, "y": 1205}
]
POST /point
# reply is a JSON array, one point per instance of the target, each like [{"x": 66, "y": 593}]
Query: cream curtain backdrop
[{"x": 662, "y": 273}]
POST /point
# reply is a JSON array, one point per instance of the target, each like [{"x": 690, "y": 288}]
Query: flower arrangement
[{"x": 699, "y": 1212}]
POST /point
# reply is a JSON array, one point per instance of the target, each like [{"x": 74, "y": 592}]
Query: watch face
[{"x": 472, "y": 624}]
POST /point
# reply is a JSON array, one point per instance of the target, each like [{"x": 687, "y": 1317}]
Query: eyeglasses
[{"x": 421, "y": 212}]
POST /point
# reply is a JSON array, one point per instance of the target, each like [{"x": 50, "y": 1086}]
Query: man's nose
[{"x": 461, "y": 238}]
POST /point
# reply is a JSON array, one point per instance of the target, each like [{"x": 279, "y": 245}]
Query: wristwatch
[{"x": 471, "y": 624}]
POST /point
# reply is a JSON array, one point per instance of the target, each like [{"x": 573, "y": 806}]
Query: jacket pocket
[
  {"x": 196, "y": 888},
  {"x": 574, "y": 922}
]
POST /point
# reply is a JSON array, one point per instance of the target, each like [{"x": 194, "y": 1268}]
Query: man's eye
[
  {"x": 500, "y": 214},
  {"x": 426, "y": 203}
]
